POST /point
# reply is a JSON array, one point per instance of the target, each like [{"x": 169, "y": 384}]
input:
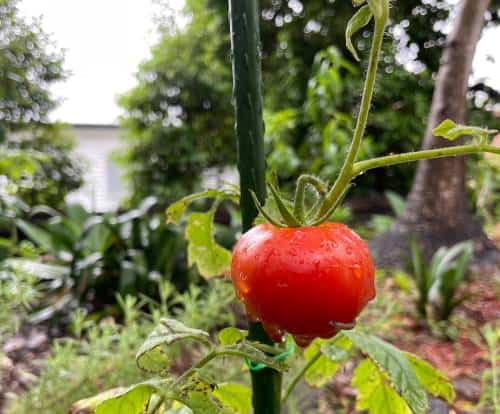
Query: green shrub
[
  {"x": 18, "y": 291},
  {"x": 104, "y": 254}
]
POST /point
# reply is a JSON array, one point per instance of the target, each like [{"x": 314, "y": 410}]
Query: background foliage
[{"x": 180, "y": 110}]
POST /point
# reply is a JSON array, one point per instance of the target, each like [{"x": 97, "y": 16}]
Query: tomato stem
[
  {"x": 298, "y": 376},
  {"x": 345, "y": 175},
  {"x": 320, "y": 219},
  {"x": 300, "y": 192},
  {"x": 388, "y": 160}
]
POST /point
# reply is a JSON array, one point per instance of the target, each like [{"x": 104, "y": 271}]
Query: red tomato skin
[{"x": 303, "y": 280}]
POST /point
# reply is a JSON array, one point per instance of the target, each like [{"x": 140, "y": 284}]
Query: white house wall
[{"x": 103, "y": 187}]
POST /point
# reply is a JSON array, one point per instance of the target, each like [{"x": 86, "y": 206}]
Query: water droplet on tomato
[
  {"x": 273, "y": 331},
  {"x": 329, "y": 244},
  {"x": 348, "y": 250},
  {"x": 244, "y": 289},
  {"x": 282, "y": 284},
  {"x": 356, "y": 271},
  {"x": 298, "y": 235}
]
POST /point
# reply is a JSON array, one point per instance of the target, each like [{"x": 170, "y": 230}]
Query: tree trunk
[{"x": 437, "y": 211}]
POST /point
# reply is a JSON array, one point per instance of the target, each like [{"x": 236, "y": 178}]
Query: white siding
[{"x": 103, "y": 187}]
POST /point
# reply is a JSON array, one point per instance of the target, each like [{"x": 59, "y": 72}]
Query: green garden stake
[{"x": 247, "y": 81}]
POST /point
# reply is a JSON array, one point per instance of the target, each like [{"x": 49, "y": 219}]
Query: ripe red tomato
[{"x": 308, "y": 281}]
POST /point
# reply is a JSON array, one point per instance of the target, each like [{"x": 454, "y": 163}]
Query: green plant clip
[{"x": 259, "y": 366}]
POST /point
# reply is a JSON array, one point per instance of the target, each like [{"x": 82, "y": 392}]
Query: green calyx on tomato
[
  {"x": 308, "y": 281},
  {"x": 299, "y": 213}
]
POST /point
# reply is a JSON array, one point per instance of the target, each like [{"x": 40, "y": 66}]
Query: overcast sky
[{"x": 105, "y": 40}]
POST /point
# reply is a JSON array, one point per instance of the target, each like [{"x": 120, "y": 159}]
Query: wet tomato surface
[{"x": 307, "y": 281}]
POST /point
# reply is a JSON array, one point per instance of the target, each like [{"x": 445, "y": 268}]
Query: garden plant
[
  {"x": 438, "y": 281},
  {"x": 303, "y": 279}
]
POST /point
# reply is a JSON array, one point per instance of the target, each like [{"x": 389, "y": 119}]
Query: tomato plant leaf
[
  {"x": 323, "y": 369},
  {"x": 210, "y": 258},
  {"x": 451, "y": 131},
  {"x": 133, "y": 400},
  {"x": 231, "y": 335},
  {"x": 360, "y": 19},
  {"x": 202, "y": 403},
  {"x": 433, "y": 380},
  {"x": 236, "y": 396},
  {"x": 197, "y": 394},
  {"x": 394, "y": 363},
  {"x": 152, "y": 357},
  {"x": 176, "y": 210},
  {"x": 178, "y": 408},
  {"x": 338, "y": 349},
  {"x": 375, "y": 392},
  {"x": 88, "y": 405}
]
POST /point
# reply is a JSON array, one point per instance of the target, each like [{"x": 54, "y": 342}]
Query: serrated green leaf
[
  {"x": 393, "y": 362},
  {"x": 176, "y": 210},
  {"x": 196, "y": 394},
  {"x": 210, "y": 258},
  {"x": 197, "y": 383},
  {"x": 323, "y": 369},
  {"x": 236, "y": 396},
  {"x": 450, "y": 130},
  {"x": 88, "y": 405},
  {"x": 433, "y": 380},
  {"x": 133, "y": 400},
  {"x": 360, "y": 19},
  {"x": 203, "y": 403},
  {"x": 231, "y": 335},
  {"x": 338, "y": 349},
  {"x": 152, "y": 357},
  {"x": 375, "y": 392}
]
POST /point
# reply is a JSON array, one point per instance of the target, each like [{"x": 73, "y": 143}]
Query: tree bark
[{"x": 437, "y": 211}]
